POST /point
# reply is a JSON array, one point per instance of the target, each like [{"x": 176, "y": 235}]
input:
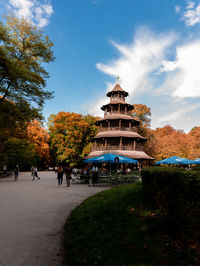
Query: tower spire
[{"x": 117, "y": 77}]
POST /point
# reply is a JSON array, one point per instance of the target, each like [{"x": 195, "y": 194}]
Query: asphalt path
[{"x": 32, "y": 217}]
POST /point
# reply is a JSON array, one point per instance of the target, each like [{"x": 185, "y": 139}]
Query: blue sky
[{"x": 154, "y": 46}]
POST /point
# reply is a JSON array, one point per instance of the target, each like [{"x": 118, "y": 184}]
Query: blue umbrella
[
  {"x": 175, "y": 160},
  {"x": 197, "y": 161},
  {"x": 110, "y": 158}
]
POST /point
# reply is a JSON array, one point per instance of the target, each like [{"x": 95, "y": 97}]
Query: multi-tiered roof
[{"x": 117, "y": 131}]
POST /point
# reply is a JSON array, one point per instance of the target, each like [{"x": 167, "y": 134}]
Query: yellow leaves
[{"x": 70, "y": 134}]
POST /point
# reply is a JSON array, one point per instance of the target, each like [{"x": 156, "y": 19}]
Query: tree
[
  {"x": 167, "y": 142},
  {"x": 70, "y": 134},
  {"x": 39, "y": 137},
  {"x": 92, "y": 131},
  {"x": 23, "y": 51},
  {"x": 142, "y": 113},
  {"x": 21, "y": 152},
  {"x": 194, "y": 142}
]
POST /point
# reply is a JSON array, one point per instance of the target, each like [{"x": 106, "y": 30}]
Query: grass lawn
[{"x": 114, "y": 228}]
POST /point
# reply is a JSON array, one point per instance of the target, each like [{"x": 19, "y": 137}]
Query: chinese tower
[{"x": 117, "y": 131}]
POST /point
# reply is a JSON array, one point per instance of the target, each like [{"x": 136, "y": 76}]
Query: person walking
[
  {"x": 16, "y": 172},
  {"x": 32, "y": 171},
  {"x": 68, "y": 174},
  {"x": 60, "y": 175},
  {"x": 35, "y": 174}
]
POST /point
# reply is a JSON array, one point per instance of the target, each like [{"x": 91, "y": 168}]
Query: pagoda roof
[
  {"x": 117, "y": 88},
  {"x": 140, "y": 155},
  {"x": 118, "y": 116},
  {"x": 117, "y": 102},
  {"x": 118, "y": 133}
]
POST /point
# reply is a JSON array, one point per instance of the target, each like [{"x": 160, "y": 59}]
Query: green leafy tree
[
  {"x": 21, "y": 152},
  {"x": 23, "y": 51}
]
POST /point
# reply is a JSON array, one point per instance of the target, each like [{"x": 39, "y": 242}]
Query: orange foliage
[
  {"x": 40, "y": 138},
  {"x": 167, "y": 142},
  {"x": 194, "y": 139},
  {"x": 70, "y": 134}
]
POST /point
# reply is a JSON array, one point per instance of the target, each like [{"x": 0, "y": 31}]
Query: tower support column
[
  {"x": 120, "y": 144},
  {"x": 134, "y": 145},
  {"x": 120, "y": 124},
  {"x": 109, "y": 125}
]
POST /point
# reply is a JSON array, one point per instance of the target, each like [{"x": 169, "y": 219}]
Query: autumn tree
[
  {"x": 194, "y": 142},
  {"x": 142, "y": 113},
  {"x": 70, "y": 134},
  {"x": 91, "y": 120},
  {"x": 39, "y": 137},
  {"x": 167, "y": 142}
]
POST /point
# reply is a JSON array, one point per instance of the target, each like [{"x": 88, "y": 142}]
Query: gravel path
[{"x": 32, "y": 216}]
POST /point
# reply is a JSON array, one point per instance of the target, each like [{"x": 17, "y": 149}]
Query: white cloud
[
  {"x": 185, "y": 116},
  {"x": 173, "y": 116},
  {"x": 191, "y": 15},
  {"x": 138, "y": 60},
  {"x": 38, "y": 12},
  {"x": 184, "y": 79}
]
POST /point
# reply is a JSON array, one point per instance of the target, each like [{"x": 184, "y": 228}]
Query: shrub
[{"x": 176, "y": 194}]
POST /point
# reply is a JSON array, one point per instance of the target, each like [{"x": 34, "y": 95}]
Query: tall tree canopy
[{"x": 23, "y": 51}]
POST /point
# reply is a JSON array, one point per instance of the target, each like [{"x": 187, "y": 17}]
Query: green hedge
[{"x": 176, "y": 194}]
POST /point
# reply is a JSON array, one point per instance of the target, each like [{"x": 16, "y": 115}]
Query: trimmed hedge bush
[{"x": 176, "y": 194}]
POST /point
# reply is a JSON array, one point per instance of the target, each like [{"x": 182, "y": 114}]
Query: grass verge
[{"x": 114, "y": 228}]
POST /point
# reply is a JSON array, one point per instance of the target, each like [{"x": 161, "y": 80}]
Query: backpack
[{"x": 60, "y": 170}]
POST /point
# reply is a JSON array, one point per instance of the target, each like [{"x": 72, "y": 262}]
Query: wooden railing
[
  {"x": 117, "y": 147},
  {"x": 103, "y": 129},
  {"x": 117, "y": 112}
]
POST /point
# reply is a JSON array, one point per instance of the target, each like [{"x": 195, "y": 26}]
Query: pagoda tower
[{"x": 117, "y": 131}]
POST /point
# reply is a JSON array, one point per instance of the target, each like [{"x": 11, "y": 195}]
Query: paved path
[{"x": 32, "y": 216}]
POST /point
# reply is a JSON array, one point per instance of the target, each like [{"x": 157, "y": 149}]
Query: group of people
[
  {"x": 92, "y": 173},
  {"x": 67, "y": 172},
  {"x": 64, "y": 171}
]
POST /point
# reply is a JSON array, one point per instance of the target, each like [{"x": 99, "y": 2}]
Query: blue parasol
[
  {"x": 110, "y": 158},
  {"x": 175, "y": 160}
]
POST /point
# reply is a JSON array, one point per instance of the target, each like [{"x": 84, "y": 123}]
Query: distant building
[{"x": 117, "y": 131}]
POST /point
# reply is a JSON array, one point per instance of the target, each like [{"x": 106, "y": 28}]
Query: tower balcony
[
  {"x": 104, "y": 129},
  {"x": 117, "y": 147},
  {"x": 117, "y": 112}
]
